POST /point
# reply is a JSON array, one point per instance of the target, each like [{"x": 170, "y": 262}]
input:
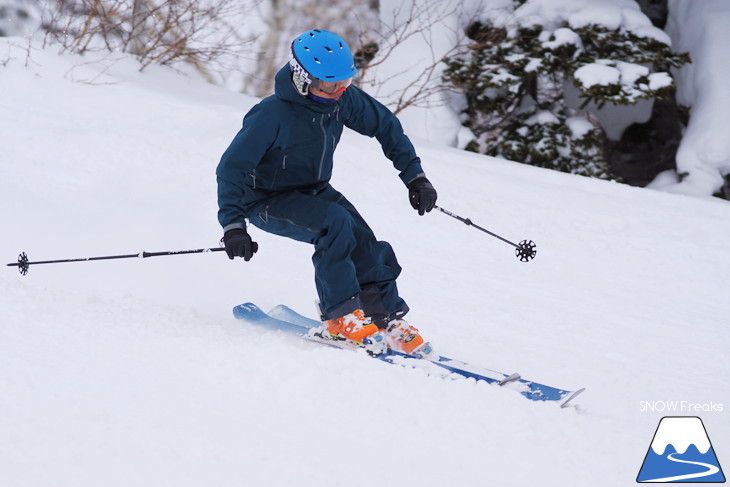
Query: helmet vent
[
  {"x": 317, "y": 61},
  {"x": 328, "y": 49}
]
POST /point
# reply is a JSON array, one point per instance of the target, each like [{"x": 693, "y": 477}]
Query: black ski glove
[
  {"x": 422, "y": 195},
  {"x": 238, "y": 243}
]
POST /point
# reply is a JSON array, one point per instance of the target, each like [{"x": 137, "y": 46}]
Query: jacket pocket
[{"x": 263, "y": 181}]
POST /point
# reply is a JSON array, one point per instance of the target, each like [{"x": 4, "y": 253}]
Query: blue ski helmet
[{"x": 323, "y": 55}]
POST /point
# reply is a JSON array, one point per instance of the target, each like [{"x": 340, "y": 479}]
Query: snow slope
[{"x": 134, "y": 373}]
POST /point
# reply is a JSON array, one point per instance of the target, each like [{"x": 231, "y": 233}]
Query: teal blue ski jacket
[{"x": 287, "y": 143}]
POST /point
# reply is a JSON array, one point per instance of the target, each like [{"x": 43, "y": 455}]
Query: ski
[{"x": 284, "y": 319}]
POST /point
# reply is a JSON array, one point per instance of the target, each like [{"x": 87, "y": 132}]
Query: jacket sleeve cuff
[
  {"x": 410, "y": 180},
  {"x": 232, "y": 226}
]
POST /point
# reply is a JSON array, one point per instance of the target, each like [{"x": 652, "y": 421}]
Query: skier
[{"x": 276, "y": 174}]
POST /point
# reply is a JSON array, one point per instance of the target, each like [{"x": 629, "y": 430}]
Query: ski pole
[
  {"x": 23, "y": 263},
  {"x": 525, "y": 250}
]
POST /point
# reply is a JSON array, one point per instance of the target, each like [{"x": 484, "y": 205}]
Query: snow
[
  {"x": 612, "y": 14},
  {"x": 543, "y": 117},
  {"x": 600, "y": 13},
  {"x": 564, "y": 36},
  {"x": 606, "y": 72},
  {"x": 658, "y": 81},
  {"x": 593, "y": 74},
  {"x": 631, "y": 72},
  {"x": 533, "y": 65},
  {"x": 700, "y": 28},
  {"x": 578, "y": 126},
  {"x": 134, "y": 372}
]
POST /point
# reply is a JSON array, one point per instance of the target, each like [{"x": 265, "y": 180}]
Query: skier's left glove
[
  {"x": 238, "y": 243},
  {"x": 422, "y": 195}
]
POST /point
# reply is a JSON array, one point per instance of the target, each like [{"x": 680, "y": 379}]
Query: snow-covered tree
[{"x": 517, "y": 69}]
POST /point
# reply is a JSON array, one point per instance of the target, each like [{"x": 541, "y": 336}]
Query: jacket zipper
[{"x": 324, "y": 149}]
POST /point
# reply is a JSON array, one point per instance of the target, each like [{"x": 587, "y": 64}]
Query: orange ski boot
[
  {"x": 358, "y": 328},
  {"x": 405, "y": 338}
]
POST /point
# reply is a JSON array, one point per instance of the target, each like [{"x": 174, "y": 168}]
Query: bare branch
[
  {"x": 417, "y": 87},
  {"x": 195, "y": 32}
]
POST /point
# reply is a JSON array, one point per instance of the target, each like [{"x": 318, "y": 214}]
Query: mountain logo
[{"x": 681, "y": 452}]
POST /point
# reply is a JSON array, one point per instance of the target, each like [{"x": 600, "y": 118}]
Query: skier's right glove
[{"x": 238, "y": 243}]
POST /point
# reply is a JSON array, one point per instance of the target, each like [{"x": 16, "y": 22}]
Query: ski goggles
[{"x": 331, "y": 87}]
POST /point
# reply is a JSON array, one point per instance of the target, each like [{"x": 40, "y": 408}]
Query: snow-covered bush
[{"x": 515, "y": 72}]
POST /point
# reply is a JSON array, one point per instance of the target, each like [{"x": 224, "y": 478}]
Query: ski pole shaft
[
  {"x": 23, "y": 263},
  {"x": 468, "y": 222},
  {"x": 525, "y": 250}
]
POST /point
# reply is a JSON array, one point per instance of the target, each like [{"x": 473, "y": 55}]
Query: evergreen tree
[{"x": 514, "y": 78}]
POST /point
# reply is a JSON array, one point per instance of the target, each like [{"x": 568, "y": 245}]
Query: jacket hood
[{"x": 284, "y": 90}]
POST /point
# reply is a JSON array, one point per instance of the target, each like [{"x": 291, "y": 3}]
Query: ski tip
[
  {"x": 279, "y": 308},
  {"x": 247, "y": 311}
]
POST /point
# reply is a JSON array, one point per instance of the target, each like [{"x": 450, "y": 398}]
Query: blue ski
[{"x": 284, "y": 319}]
